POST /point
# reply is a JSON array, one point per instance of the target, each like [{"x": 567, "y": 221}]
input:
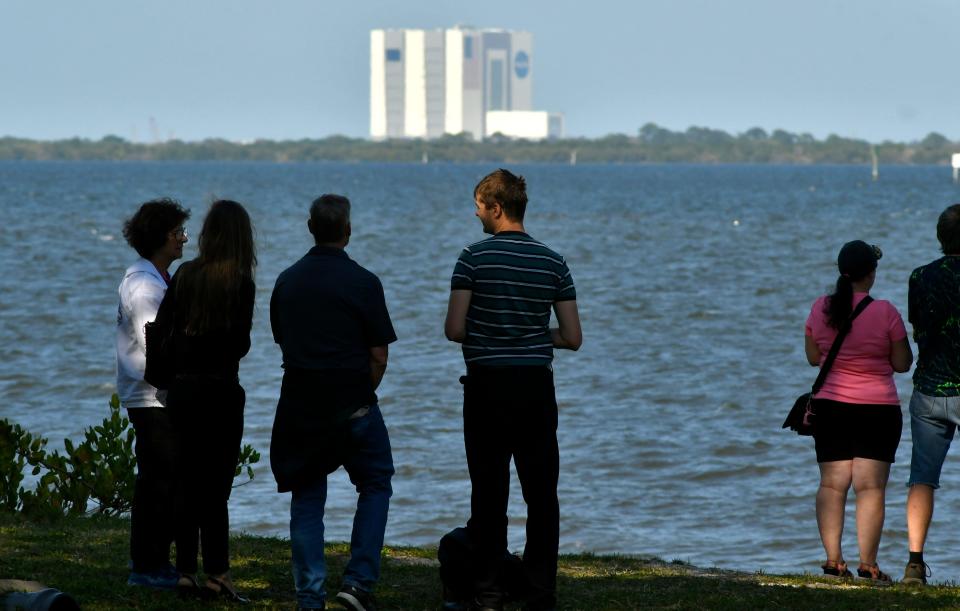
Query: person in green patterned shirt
[
  {"x": 934, "y": 312},
  {"x": 503, "y": 290}
]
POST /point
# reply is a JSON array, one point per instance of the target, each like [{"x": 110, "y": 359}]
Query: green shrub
[{"x": 96, "y": 475}]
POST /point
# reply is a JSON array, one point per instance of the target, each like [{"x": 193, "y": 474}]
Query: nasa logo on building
[{"x": 521, "y": 64}]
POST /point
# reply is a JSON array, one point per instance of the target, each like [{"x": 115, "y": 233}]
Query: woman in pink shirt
[{"x": 858, "y": 419}]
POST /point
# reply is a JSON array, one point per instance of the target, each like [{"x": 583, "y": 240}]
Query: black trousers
[
  {"x": 208, "y": 417},
  {"x": 151, "y": 518},
  {"x": 512, "y": 413}
]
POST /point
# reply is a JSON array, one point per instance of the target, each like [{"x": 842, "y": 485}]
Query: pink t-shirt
[{"x": 862, "y": 372}]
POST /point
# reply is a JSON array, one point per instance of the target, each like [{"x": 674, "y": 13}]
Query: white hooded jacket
[{"x": 141, "y": 292}]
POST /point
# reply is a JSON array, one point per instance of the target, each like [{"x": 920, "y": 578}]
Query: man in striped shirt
[{"x": 502, "y": 292}]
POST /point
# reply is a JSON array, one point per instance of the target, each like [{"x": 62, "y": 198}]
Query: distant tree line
[{"x": 651, "y": 144}]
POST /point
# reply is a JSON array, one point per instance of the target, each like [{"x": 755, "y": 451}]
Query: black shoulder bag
[{"x": 801, "y": 416}]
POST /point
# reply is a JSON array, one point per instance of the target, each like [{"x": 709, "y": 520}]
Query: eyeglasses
[{"x": 178, "y": 233}]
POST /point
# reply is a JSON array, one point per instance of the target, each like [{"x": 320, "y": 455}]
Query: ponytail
[{"x": 839, "y": 305}]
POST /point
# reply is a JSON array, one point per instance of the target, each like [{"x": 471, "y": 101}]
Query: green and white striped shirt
[{"x": 515, "y": 281}]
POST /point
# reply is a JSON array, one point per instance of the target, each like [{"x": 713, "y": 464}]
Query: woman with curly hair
[{"x": 157, "y": 233}]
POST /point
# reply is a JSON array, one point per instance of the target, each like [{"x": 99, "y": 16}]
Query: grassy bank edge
[{"x": 87, "y": 557}]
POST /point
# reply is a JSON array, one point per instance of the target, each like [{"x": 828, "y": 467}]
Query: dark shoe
[
  {"x": 352, "y": 597},
  {"x": 222, "y": 590},
  {"x": 157, "y": 580},
  {"x": 873, "y": 574},
  {"x": 832, "y": 568},
  {"x": 916, "y": 574}
]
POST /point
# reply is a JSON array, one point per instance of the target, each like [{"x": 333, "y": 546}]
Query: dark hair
[
  {"x": 856, "y": 261},
  {"x": 329, "y": 218},
  {"x": 506, "y": 189},
  {"x": 209, "y": 286},
  {"x": 948, "y": 230},
  {"x": 149, "y": 229}
]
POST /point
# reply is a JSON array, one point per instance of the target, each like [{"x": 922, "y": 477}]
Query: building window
[
  {"x": 467, "y": 47},
  {"x": 496, "y": 85},
  {"x": 521, "y": 64},
  {"x": 393, "y": 55}
]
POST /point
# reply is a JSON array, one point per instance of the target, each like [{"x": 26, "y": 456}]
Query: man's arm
[
  {"x": 568, "y": 334},
  {"x": 455, "y": 327},
  {"x": 378, "y": 364}
]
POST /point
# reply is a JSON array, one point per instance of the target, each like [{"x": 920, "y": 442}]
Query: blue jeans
[
  {"x": 933, "y": 423},
  {"x": 369, "y": 463}
]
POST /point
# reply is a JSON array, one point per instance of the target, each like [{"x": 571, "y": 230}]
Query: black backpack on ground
[{"x": 456, "y": 554}]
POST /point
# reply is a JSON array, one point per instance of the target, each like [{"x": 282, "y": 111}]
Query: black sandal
[
  {"x": 224, "y": 591},
  {"x": 834, "y": 568}
]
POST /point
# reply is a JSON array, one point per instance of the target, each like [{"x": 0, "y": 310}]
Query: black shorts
[{"x": 845, "y": 431}]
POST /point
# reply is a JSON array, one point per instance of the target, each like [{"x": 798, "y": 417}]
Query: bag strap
[{"x": 835, "y": 348}]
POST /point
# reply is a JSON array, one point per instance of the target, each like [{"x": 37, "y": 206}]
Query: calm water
[{"x": 693, "y": 284}]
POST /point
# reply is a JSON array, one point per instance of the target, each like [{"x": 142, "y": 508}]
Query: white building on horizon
[{"x": 427, "y": 83}]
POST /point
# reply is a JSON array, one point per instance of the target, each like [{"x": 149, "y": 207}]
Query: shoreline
[
  {"x": 650, "y": 143},
  {"x": 87, "y": 558}
]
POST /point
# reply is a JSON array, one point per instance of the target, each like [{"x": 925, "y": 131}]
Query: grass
[{"x": 87, "y": 557}]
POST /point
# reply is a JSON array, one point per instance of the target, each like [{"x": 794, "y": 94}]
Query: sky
[{"x": 289, "y": 69}]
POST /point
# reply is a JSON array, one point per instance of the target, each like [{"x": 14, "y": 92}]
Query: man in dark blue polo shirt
[
  {"x": 503, "y": 291},
  {"x": 330, "y": 319}
]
